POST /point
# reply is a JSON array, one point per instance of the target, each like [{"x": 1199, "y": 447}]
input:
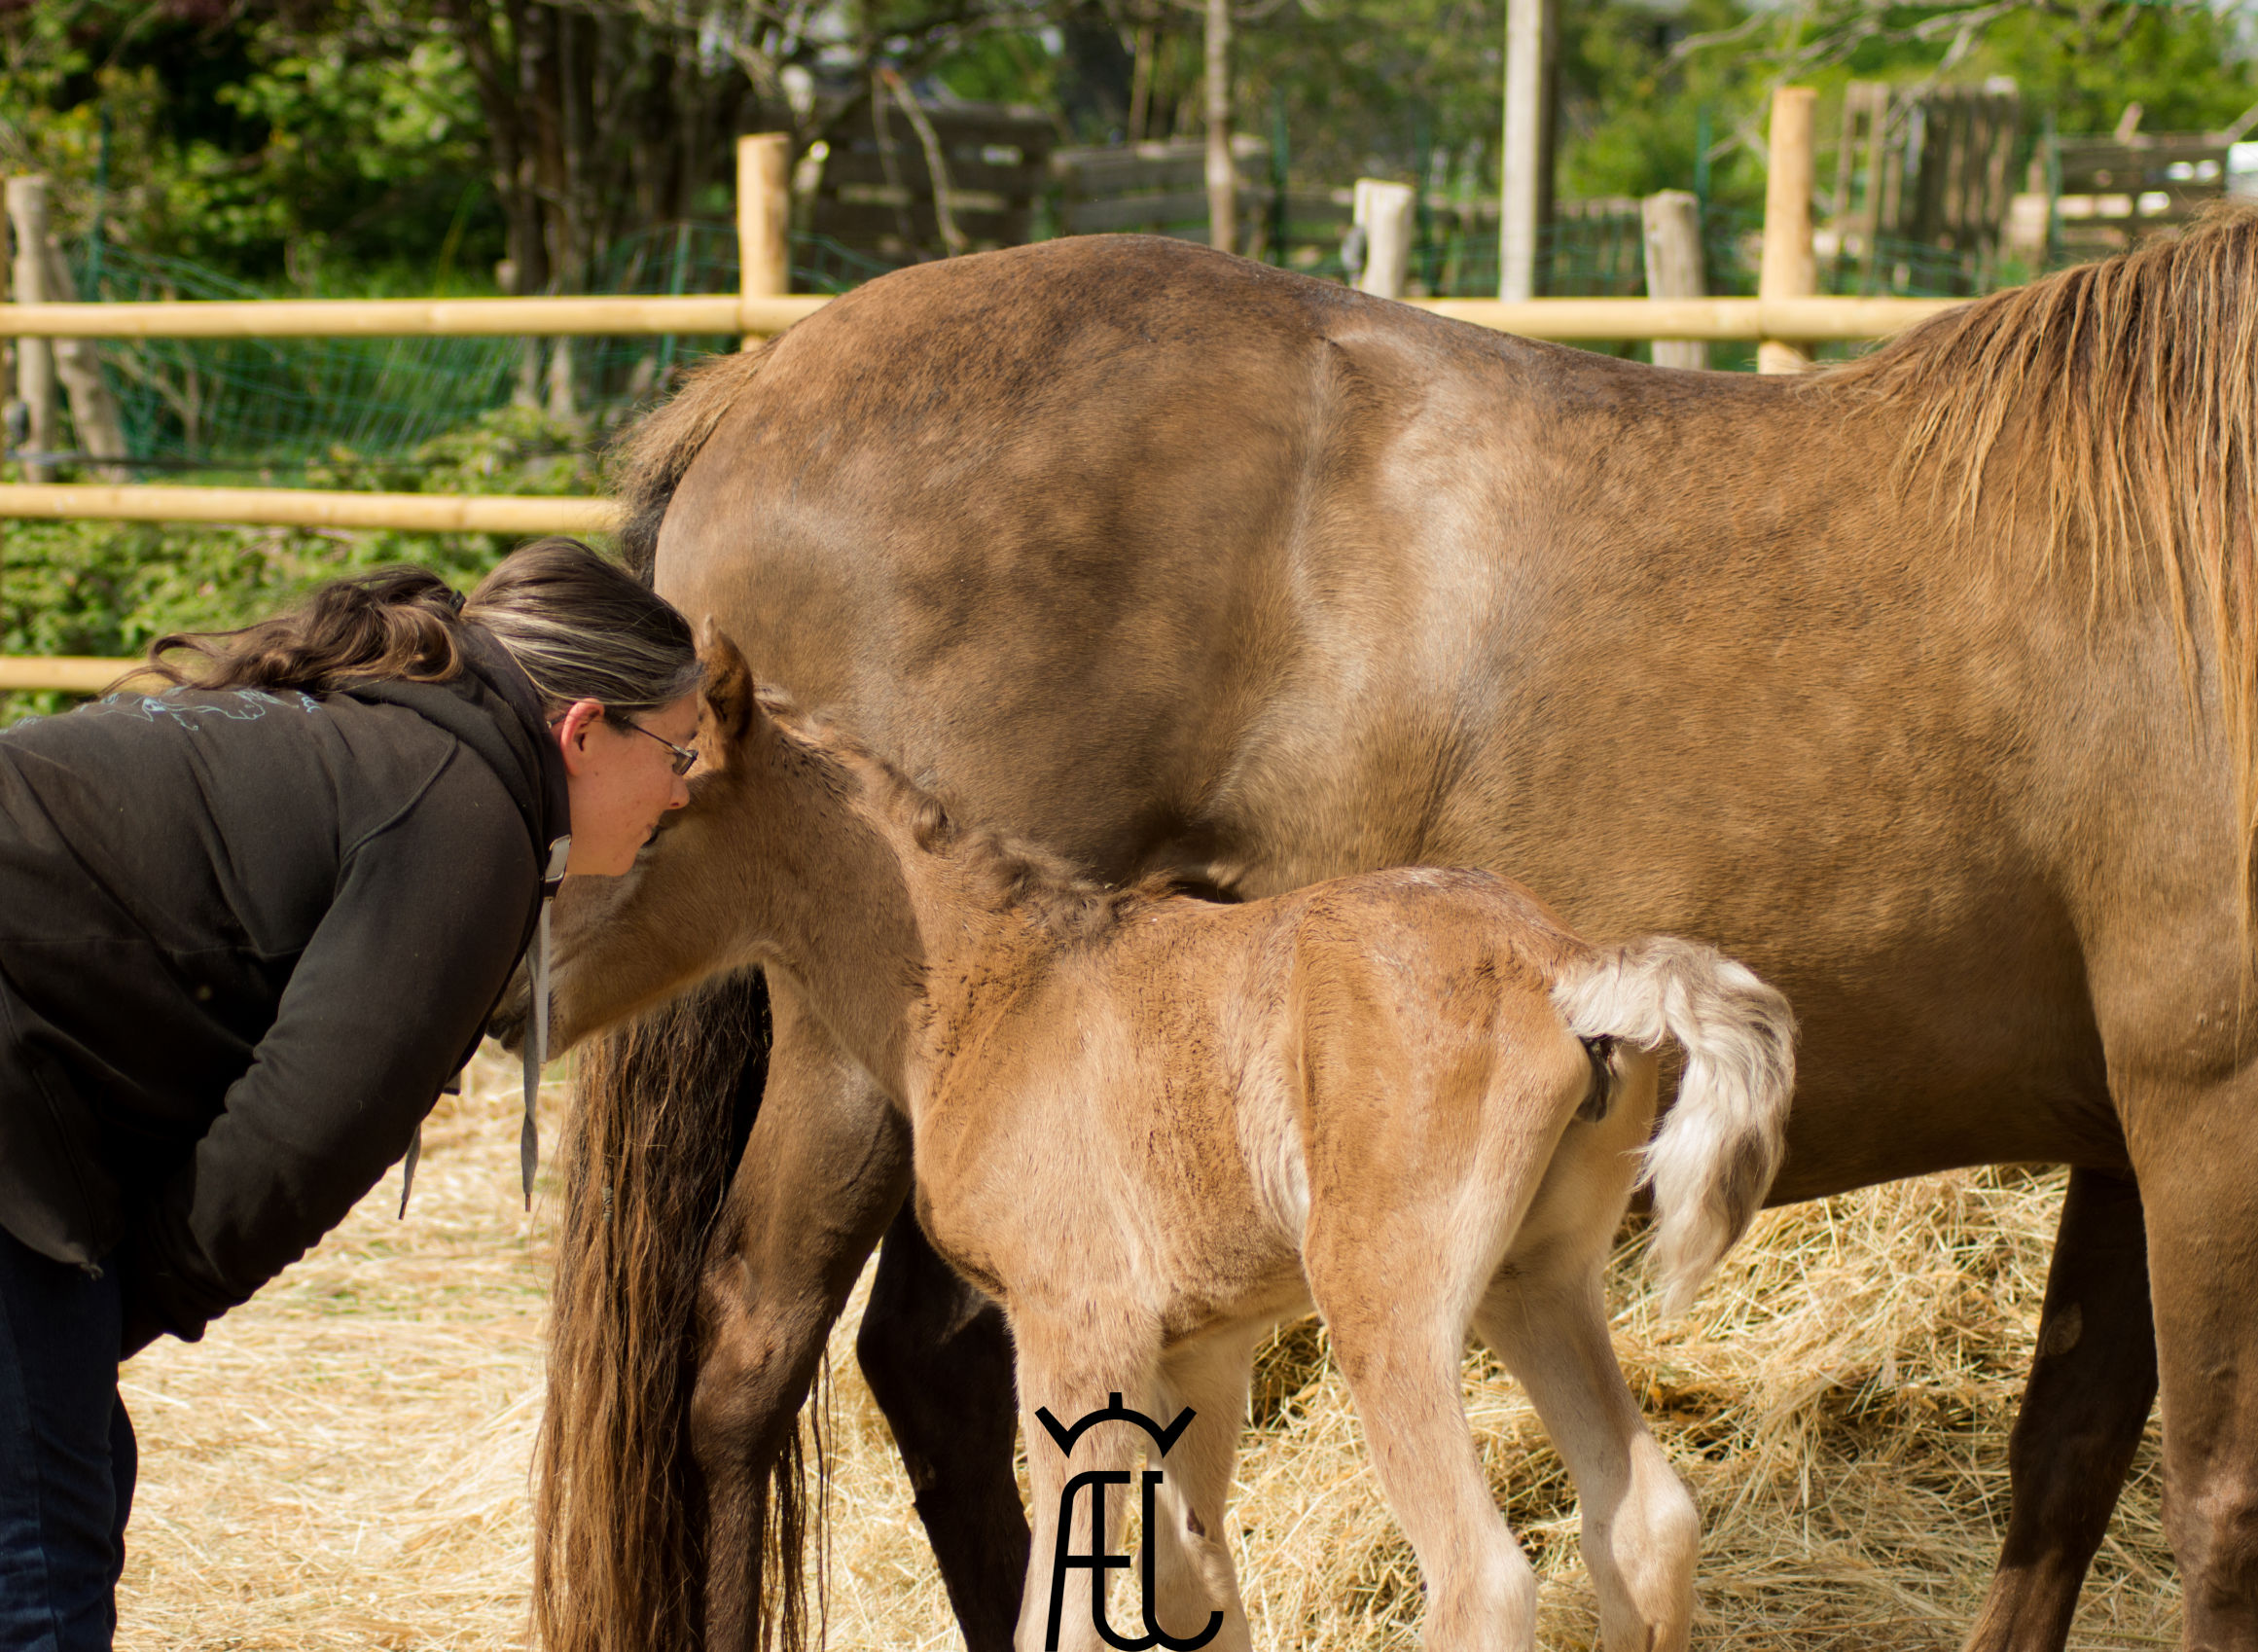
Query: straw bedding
[{"x": 343, "y": 1462}]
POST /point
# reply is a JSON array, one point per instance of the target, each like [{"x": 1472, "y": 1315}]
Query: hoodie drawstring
[{"x": 536, "y": 1042}]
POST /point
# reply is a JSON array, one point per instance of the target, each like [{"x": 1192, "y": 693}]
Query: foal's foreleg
[
  {"x": 1070, "y": 1365},
  {"x": 2093, "y": 1381},
  {"x": 825, "y": 1169},
  {"x": 939, "y": 1363}
]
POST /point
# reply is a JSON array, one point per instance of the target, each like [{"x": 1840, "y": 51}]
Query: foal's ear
[{"x": 729, "y": 684}]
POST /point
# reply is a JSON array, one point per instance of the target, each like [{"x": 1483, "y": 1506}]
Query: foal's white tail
[{"x": 1713, "y": 1161}]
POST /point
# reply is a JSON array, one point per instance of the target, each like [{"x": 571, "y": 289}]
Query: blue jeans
[{"x": 66, "y": 1454}]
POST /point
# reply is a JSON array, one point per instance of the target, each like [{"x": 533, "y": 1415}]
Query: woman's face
[{"x": 622, "y": 779}]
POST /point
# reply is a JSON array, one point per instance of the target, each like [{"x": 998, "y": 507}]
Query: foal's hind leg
[
  {"x": 1546, "y": 1318},
  {"x": 1641, "y": 1532},
  {"x": 1399, "y": 1347},
  {"x": 2093, "y": 1383}
]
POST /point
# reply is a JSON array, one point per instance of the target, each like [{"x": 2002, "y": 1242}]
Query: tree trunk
[
  {"x": 94, "y": 414},
  {"x": 1140, "y": 108}
]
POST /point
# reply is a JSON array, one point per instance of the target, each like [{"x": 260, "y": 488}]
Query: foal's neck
[{"x": 891, "y": 940}]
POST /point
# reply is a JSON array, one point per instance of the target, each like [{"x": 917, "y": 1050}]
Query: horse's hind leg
[
  {"x": 824, "y": 1169},
  {"x": 939, "y": 1363},
  {"x": 2093, "y": 1383}
]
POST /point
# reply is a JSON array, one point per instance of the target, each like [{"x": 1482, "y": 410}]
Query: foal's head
[
  {"x": 688, "y": 908},
  {"x": 785, "y": 812}
]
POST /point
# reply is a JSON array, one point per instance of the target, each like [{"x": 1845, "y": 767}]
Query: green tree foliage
[
  {"x": 243, "y": 139},
  {"x": 1377, "y": 86},
  {"x": 2183, "y": 65},
  {"x": 355, "y": 145}
]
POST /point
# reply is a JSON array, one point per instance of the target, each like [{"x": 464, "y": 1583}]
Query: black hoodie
[{"x": 245, "y": 937}]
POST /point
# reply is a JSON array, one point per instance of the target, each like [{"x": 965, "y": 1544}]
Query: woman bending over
[{"x": 249, "y": 927}]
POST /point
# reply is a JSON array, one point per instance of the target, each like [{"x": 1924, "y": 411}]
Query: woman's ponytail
[
  {"x": 397, "y": 625},
  {"x": 580, "y": 626}
]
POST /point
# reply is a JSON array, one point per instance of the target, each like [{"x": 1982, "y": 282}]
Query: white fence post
[
  {"x": 1384, "y": 212},
  {"x": 1671, "y": 221}
]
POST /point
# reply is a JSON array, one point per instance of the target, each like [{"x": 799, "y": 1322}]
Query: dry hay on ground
[{"x": 343, "y": 1462}]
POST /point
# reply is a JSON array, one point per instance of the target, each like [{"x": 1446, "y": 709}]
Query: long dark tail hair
[{"x": 661, "y": 1108}]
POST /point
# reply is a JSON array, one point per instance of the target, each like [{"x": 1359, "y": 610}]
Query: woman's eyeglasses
[{"x": 685, "y": 757}]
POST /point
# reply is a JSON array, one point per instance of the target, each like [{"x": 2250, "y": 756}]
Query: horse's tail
[
  {"x": 661, "y": 1108},
  {"x": 655, "y": 453},
  {"x": 1712, "y": 1163}
]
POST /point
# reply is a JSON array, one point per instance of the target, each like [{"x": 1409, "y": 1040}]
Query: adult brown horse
[{"x": 1924, "y": 685}]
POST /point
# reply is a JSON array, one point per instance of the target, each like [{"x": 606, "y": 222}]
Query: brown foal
[{"x": 1153, "y": 1127}]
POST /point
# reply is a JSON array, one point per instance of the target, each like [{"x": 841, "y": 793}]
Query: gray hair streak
[{"x": 583, "y": 628}]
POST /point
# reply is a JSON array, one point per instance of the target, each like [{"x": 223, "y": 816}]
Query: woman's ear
[
  {"x": 571, "y": 726},
  {"x": 729, "y": 686}
]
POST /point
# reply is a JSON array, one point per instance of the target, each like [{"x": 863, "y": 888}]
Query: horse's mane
[
  {"x": 2132, "y": 386},
  {"x": 1008, "y": 871},
  {"x": 654, "y": 454}
]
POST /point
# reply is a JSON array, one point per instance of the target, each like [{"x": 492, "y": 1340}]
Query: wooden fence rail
[
  {"x": 286, "y": 507},
  {"x": 399, "y": 319},
  {"x": 1809, "y": 320},
  {"x": 70, "y": 673}
]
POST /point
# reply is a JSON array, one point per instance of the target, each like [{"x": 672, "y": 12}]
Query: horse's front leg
[
  {"x": 2193, "y": 1146},
  {"x": 824, "y": 1171},
  {"x": 938, "y": 1359},
  {"x": 2092, "y": 1380}
]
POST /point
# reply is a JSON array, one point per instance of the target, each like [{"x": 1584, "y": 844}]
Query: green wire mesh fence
[{"x": 257, "y": 407}]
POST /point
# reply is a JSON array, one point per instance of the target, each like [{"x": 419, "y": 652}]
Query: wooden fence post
[
  {"x": 1671, "y": 221},
  {"x": 77, "y": 367},
  {"x": 43, "y": 277},
  {"x": 34, "y": 357},
  {"x": 1384, "y": 211},
  {"x": 1790, "y": 270},
  {"x": 1221, "y": 171},
  {"x": 764, "y": 217}
]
